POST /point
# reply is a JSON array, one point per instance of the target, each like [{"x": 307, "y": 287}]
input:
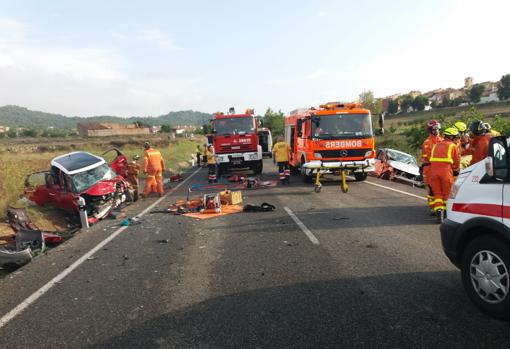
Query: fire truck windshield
[
  {"x": 338, "y": 126},
  {"x": 229, "y": 126}
]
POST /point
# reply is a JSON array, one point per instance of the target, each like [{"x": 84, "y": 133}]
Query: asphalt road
[{"x": 376, "y": 276}]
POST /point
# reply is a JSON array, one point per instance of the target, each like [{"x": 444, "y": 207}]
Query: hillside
[
  {"x": 15, "y": 116},
  {"x": 487, "y": 110}
]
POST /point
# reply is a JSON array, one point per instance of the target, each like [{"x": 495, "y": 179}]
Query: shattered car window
[
  {"x": 84, "y": 180},
  {"x": 401, "y": 157}
]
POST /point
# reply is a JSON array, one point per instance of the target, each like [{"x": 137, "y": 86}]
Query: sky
[{"x": 147, "y": 58}]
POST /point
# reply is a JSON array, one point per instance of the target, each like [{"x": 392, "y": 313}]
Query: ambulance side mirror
[{"x": 498, "y": 160}]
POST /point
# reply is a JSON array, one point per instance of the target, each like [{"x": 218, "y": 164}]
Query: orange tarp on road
[{"x": 225, "y": 210}]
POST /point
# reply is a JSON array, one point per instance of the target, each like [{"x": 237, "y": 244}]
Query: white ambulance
[{"x": 476, "y": 233}]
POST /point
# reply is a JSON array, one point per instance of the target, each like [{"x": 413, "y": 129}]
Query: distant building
[
  {"x": 468, "y": 82},
  {"x": 415, "y": 94},
  {"x": 4, "y": 129},
  {"x": 96, "y": 129},
  {"x": 155, "y": 129}
]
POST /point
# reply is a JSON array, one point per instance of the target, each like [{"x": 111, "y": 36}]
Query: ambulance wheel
[
  {"x": 360, "y": 176},
  {"x": 294, "y": 170},
  {"x": 485, "y": 275},
  {"x": 317, "y": 188}
]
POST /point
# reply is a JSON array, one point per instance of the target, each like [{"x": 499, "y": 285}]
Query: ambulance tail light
[{"x": 458, "y": 183}]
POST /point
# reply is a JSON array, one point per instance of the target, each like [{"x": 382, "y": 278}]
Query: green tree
[
  {"x": 406, "y": 101},
  {"x": 446, "y": 101},
  {"x": 206, "y": 129},
  {"x": 420, "y": 102},
  {"x": 367, "y": 99},
  {"x": 475, "y": 93},
  {"x": 504, "y": 88},
  {"x": 392, "y": 106},
  {"x": 274, "y": 121},
  {"x": 29, "y": 132},
  {"x": 166, "y": 128},
  {"x": 12, "y": 133}
]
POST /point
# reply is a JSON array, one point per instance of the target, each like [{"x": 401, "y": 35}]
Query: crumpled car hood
[
  {"x": 104, "y": 187},
  {"x": 411, "y": 169}
]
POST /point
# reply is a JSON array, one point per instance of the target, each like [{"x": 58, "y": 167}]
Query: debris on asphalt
[
  {"x": 264, "y": 207},
  {"x": 371, "y": 246},
  {"x": 340, "y": 218},
  {"x": 14, "y": 258},
  {"x": 130, "y": 221},
  {"x": 163, "y": 241},
  {"x": 91, "y": 258}
]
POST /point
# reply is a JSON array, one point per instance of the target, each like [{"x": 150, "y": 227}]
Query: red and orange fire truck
[
  {"x": 335, "y": 138},
  {"x": 236, "y": 141}
]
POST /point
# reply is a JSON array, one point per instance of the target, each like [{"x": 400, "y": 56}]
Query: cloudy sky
[{"x": 150, "y": 57}]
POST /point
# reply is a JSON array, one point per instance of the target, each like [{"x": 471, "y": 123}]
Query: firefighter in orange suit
[
  {"x": 433, "y": 129},
  {"x": 153, "y": 167},
  {"x": 281, "y": 151},
  {"x": 132, "y": 172},
  {"x": 444, "y": 166},
  {"x": 479, "y": 145}
]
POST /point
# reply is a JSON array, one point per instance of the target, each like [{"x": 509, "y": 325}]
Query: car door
[{"x": 36, "y": 189}]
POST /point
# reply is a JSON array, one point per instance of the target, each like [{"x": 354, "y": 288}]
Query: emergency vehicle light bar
[{"x": 338, "y": 105}]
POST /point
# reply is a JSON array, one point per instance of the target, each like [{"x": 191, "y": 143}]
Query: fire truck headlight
[
  {"x": 253, "y": 156},
  {"x": 368, "y": 154},
  {"x": 318, "y": 155}
]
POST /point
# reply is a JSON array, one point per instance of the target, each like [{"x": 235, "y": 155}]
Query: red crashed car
[{"x": 81, "y": 174}]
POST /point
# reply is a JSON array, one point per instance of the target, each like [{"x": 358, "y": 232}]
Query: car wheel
[{"x": 485, "y": 276}]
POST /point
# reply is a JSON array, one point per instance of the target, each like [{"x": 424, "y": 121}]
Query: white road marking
[
  {"x": 303, "y": 227},
  {"x": 396, "y": 190},
  {"x": 57, "y": 279}
]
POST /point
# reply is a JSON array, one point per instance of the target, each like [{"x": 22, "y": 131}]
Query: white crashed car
[{"x": 394, "y": 164}]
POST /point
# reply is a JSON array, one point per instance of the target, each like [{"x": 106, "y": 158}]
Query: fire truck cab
[
  {"x": 236, "y": 141},
  {"x": 336, "y": 136}
]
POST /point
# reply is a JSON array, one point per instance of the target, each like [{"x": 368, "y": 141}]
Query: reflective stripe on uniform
[{"x": 447, "y": 159}]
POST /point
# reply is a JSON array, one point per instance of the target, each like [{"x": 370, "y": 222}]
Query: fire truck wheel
[
  {"x": 257, "y": 169},
  {"x": 360, "y": 176}
]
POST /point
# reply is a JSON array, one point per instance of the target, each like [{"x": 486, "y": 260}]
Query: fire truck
[
  {"x": 236, "y": 141},
  {"x": 335, "y": 138}
]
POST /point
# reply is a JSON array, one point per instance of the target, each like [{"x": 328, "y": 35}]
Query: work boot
[{"x": 440, "y": 216}]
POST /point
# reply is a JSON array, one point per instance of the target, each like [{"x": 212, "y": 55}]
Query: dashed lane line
[
  {"x": 44, "y": 289},
  {"x": 302, "y": 226}
]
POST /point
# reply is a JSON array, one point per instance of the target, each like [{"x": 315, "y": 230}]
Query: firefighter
[
  {"x": 199, "y": 155},
  {"x": 463, "y": 139},
  {"x": 490, "y": 131},
  {"x": 281, "y": 151},
  {"x": 478, "y": 147},
  {"x": 444, "y": 166},
  {"x": 211, "y": 164},
  {"x": 153, "y": 167},
  {"x": 433, "y": 129},
  {"x": 132, "y": 172}
]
